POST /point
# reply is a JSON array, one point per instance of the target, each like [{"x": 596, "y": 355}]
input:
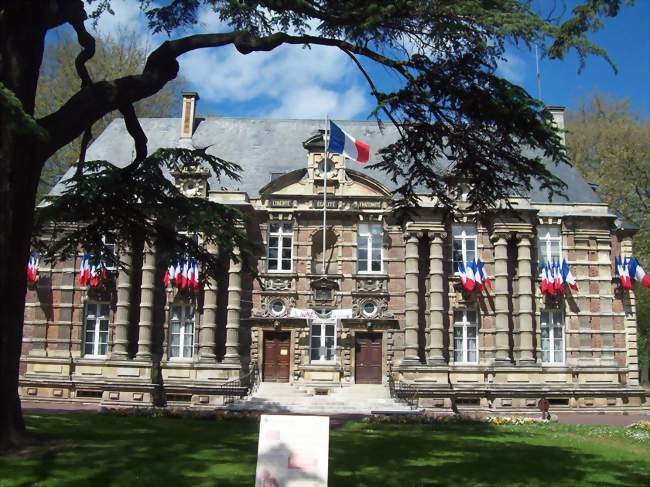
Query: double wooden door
[
  {"x": 276, "y": 356},
  {"x": 368, "y": 358}
]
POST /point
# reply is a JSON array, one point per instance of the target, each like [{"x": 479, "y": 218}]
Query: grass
[{"x": 98, "y": 450}]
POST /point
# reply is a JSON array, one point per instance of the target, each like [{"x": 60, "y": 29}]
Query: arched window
[{"x": 317, "y": 252}]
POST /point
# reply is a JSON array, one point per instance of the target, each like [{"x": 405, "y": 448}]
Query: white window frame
[
  {"x": 546, "y": 241},
  {"x": 322, "y": 348},
  {"x": 185, "y": 320},
  {"x": 552, "y": 320},
  {"x": 468, "y": 232},
  {"x": 464, "y": 326},
  {"x": 112, "y": 245},
  {"x": 368, "y": 239},
  {"x": 97, "y": 318},
  {"x": 281, "y": 234}
]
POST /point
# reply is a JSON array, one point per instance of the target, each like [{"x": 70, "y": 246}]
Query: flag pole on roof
[{"x": 326, "y": 141}]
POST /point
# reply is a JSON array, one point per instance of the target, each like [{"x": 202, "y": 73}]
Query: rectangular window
[
  {"x": 280, "y": 247},
  {"x": 552, "y": 330},
  {"x": 466, "y": 336},
  {"x": 323, "y": 341},
  {"x": 96, "y": 337},
  {"x": 370, "y": 241},
  {"x": 549, "y": 244},
  {"x": 464, "y": 243},
  {"x": 181, "y": 331}
]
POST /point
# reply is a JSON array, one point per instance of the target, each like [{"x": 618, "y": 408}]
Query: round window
[
  {"x": 277, "y": 307},
  {"x": 322, "y": 167},
  {"x": 369, "y": 309}
]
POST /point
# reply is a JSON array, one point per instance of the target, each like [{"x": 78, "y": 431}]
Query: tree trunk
[{"x": 21, "y": 48}]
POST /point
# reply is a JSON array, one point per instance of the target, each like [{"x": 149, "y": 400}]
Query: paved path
[
  {"x": 565, "y": 418},
  {"x": 608, "y": 419}
]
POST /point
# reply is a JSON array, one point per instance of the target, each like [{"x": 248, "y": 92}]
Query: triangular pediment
[{"x": 297, "y": 183}]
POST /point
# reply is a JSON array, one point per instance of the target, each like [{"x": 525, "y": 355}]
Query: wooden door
[
  {"x": 368, "y": 358},
  {"x": 276, "y": 356}
]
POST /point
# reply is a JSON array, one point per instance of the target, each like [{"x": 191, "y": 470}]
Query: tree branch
[{"x": 99, "y": 98}]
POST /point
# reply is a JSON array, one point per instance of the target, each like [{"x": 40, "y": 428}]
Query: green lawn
[{"x": 98, "y": 450}]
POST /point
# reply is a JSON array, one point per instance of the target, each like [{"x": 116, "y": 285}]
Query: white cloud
[
  {"x": 513, "y": 68},
  {"x": 297, "y": 82},
  {"x": 316, "y": 102},
  {"x": 127, "y": 15},
  {"x": 293, "y": 81}
]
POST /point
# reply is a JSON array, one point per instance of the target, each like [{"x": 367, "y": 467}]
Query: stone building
[{"x": 377, "y": 299}]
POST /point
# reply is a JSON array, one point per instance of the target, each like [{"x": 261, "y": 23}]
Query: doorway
[
  {"x": 276, "y": 356},
  {"x": 367, "y": 358}
]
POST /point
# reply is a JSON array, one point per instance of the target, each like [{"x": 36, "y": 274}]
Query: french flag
[
  {"x": 550, "y": 289},
  {"x": 341, "y": 142},
  {"x": 466, "y": 277},
  {"x": 544, "y": 285},
  {"x": 622, "y": 267},
  {"x": 480, "y": 268},
  {"x": 636, "y": 271},
  {"x": 557, "y": 278},
  {"x": 32, "y": 268},
  {"x": 567, "y": 276},
  {"x": 170, "y": 274},
  {"x": 84, "y": 270}
]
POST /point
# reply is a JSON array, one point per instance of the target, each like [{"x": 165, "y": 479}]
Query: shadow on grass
[
  {"x": 473, "y": 455},
  {"x": 101, "y": 450}
]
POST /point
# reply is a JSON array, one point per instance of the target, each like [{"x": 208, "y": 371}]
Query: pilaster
[
  {"x": 411, "y": 298},
  {"x": 502, "y": 346},
  {"x": 145, "y": 323},
  {"x": 234, "y": 311},
  {"x": 435, "y": 355},
  {"x": 524, "y": 354},
  {"x": 121, "y": 324}
]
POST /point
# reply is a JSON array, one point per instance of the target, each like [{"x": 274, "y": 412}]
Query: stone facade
[{"x": 408, "y": 316}]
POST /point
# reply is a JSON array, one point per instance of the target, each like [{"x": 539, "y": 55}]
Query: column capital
[
  {"x": 524, "y": 238},
  {"x": 413, "y": 234},
  {"x": 500, "y": 235},
  {"x": 437, "y": 236}
]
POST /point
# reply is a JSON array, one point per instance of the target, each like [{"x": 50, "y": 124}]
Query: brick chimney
[
  {"x": 188, "y": 110},
  {"x": 558, "y": 118}
]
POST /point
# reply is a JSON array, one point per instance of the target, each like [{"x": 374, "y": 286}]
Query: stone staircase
[{"x": 359, "y": 399}]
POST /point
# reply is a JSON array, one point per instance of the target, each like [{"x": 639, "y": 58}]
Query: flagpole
[{"x": 325, "y": 138}]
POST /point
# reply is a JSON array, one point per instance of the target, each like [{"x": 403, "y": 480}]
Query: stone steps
[{"x": 355, "y": 400}]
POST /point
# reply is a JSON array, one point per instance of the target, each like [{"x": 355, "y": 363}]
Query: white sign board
[{"x": 293, "y": 451}]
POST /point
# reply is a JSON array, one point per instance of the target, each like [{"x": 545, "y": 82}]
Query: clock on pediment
[
  {"x": 192, "y": 180},
  {"x": 318, "y": 166}
]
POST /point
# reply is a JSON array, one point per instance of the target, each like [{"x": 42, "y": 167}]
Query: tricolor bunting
[
  {"x": 341, "y": 142},
  {"x": 555, "y": 277},
  {"x": 182, "y": 273},
  {"x": 91, "y": 272},
  {"x": 473, "y": 276}
]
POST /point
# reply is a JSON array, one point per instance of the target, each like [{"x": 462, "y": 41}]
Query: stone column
[
  {"x": 501, "y": 339},
  {"x": 146, "y": 302},
  {"x": 411, "y": 298},
  {"x": 525, "y": 296},
  {"x": 435, "y": 354},
  {"x": 209, "y": 322},
  {"x": 234, "y": 308},
  {"x": 121, "y": 329}
]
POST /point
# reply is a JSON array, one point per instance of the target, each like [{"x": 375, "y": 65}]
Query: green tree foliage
[
  {"x": 116, "y": 55},
  {"x": 610, "y": 144},
  {"x": 446, "y": 100}
]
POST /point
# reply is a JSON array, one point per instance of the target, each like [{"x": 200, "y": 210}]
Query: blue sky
[{"x": 291, "y": 82}]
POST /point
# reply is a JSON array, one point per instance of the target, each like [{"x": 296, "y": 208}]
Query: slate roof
[{"x": 263, "y": 146}]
